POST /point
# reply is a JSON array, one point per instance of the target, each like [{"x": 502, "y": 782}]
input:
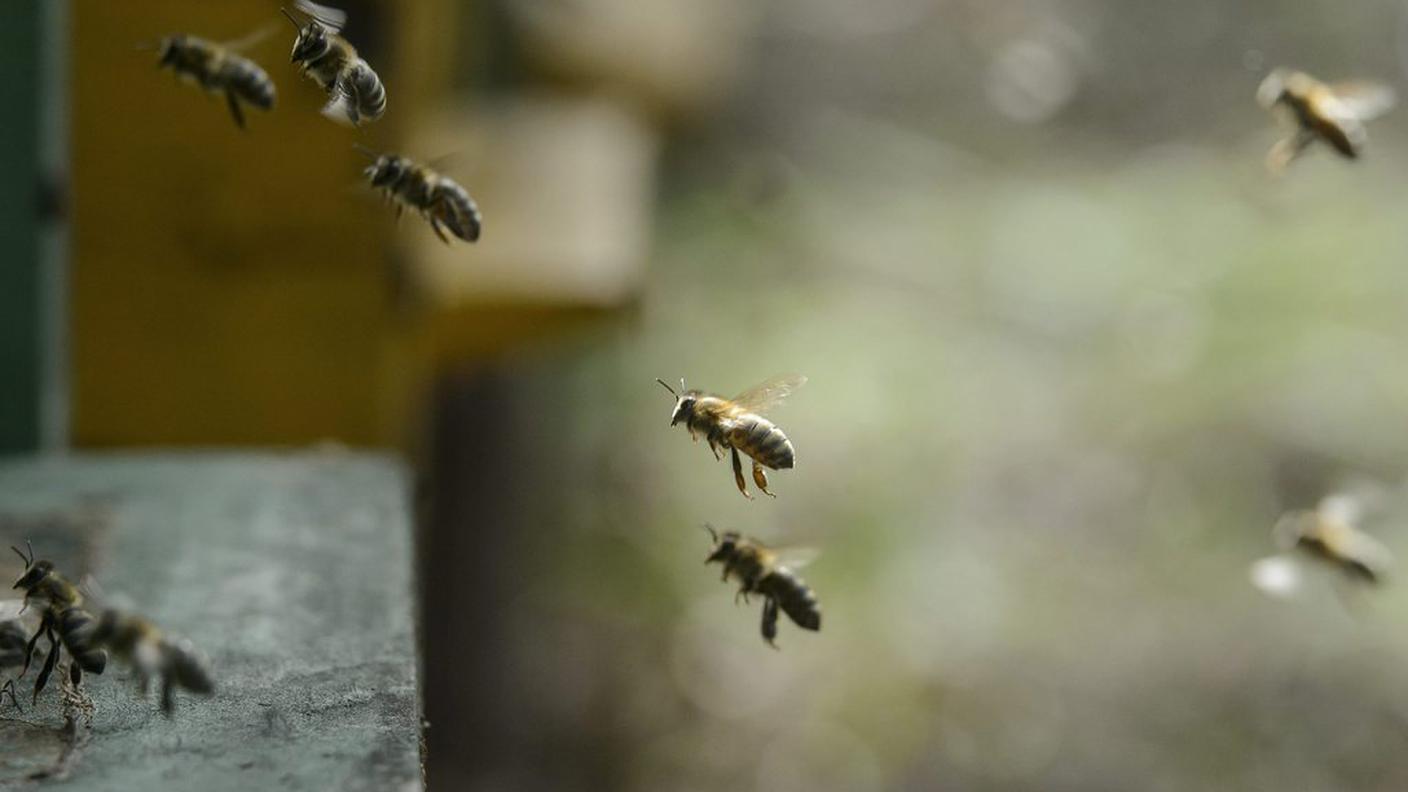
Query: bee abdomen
[
  {"x": 795, "y": 597},
  {"x": 364, "y": 91},
  {"x": 463, "y": 218},
  {"x": 76, "y": 628},
  {"x": 250, "y": 82},
  {"x": 189, "y": 668},
  {"x": 760, "y": 439}
]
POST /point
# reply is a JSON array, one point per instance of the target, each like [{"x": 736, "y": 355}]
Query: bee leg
[
  {"x": 738, "y": 474},
  {"x": 435, "y": 225},
  {"x": 770, "y": 621},
  {"x": 75, "y": 674},
  {"x": 761, "y": 479},
  {"x": 49, "y": 663},
  {"x": 44, "y": 626},
  {"x": 168, "y": 694},
  {"x": 9, "y": 689},
  {"x": 235, "y": 108},
  {"x": 742, "y": 592}
]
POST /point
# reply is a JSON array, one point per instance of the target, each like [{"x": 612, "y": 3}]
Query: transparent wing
[
  {"x": 1364, "y": 100},
  {"x": 1342, "y": 508},
  {"x": 769, "y": 393},
  {"x": 253, "y": 39},
  {"x": 1279, "y": 575},
  {"x": 795, "y": 557},
  {"x": 331, "y": 18}
]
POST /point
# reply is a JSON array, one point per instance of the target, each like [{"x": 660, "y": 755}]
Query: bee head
[
  {"x": 725, "y": 544},
  {"x": 387, "y": 170},
  {"x": 168, "y": 49},
  {"x": 312, "y": 39},
  {"x": 684, "y": 402},
  {"x": 34, "y": 571}
]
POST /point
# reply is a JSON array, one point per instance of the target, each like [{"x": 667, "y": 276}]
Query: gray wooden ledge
[{"x": 292, "y": 572}]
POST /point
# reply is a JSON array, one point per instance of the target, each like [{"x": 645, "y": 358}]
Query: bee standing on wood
[
  {"x": 13, "y": 640},
  {"x": 355, "y": 92},
  {"x": 137, "y": 642},
  {"x": 217, "y": 69},
  {"x": 1314, "y": 111},
  {"x": 738, "y": 424},
  {"x": 439, "y": 199},
  {"x": 762, "y": 570},
  {"x": 1328, "y": 534},
  {"x": 64, "y": 622}
]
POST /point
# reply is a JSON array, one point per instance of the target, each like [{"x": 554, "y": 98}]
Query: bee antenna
[
  {"x": 712, "y": 533},
  {"x": 365, "y": 151},
  {"x": 285, "y": 12},
  {"x": 667, "y": 387},
  {"x": 27, "y": 559}
]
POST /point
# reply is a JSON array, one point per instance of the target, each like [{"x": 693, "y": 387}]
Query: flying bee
[
  {"x": 63, "y": 621},
  {"x": 1328, "y": 534},
  {"x": 355, "y": 92},
  {"x": 439, "y": 199},
  {"x": 218, "y": 69},
  {"x": 762, "y": 570},
  {"x": 140, "y": 644},
  {"x": 1315, "y": 111},
  {"x": 738, "y": 424}
]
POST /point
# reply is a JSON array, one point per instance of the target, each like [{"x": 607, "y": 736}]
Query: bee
[
  {"x": 762, "y": 570},
  {"x": 216, "y": 68},
  {"x": 1329, "y": 535},
  {"x": 1317, "y": 111},
  {"x": 13, "y": 639},
  {"x": 63, "y": 621},
  {"x": 439, "y": 199},
  {"x": 137, "y": 642},
  {"x": 355, "y": 92},
  {"x": 737, "y": 424}
]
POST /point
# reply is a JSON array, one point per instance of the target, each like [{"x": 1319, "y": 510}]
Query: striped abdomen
[
  {"x": 362, "y": 92},
  {"x": 75, "y": 627},
  {"x": 245, "y": 79},
  {"x": 795, "y": 597},
  {"x": 760, "y": 439},
  {"x": 451, "y": 205}
]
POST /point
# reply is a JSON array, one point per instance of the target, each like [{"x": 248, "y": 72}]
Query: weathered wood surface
[{"x": 292, "y": 572}]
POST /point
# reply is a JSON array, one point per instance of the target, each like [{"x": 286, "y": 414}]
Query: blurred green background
[{"x": 1071, "y": 352}]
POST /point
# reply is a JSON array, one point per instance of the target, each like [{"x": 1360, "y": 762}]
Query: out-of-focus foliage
[{"x": 1071, "y": 352}]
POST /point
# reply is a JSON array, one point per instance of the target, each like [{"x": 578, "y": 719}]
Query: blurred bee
[
  {"x": 13, "y": 640},
  {"x": 762, "y": 570},
  {"x": 737, "y": 424},
  {"x": 1316, "y": 111},
  {"x": 139, "y": 643},
  {"x": 355, "y": 92},
  {"x": 1327, "y": 534},
  {"x": 63, "y": 621},
  {"x": 216, "y": 68},
  {"x": 439, "y": 199}
]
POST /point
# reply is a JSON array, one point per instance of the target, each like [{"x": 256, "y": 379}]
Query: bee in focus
[
  {"x": 63, "y": 621},
  {"x": 355, "y": 93},
  {"x": 439, "y": 199},
  {"x": 738, "y": 424},
  {"x": 762, "y": 570},
  {"x": 1327, "y": 534},
  {"x": 140, "y": 644},
  {"x": 218, "y": 69},
  {"x": 1333, "y": 114}
]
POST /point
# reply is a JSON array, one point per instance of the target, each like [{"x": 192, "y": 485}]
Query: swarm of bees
[
  {"x": 355, "y": 95},
  {"x": 70, "y": 628},
  {"x": 1314, "y": 111}
]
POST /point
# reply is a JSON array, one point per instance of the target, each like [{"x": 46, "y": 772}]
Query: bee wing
[
  {"x": 1363, "y": 100},
  {"x": 1342, "y": 507},
  {"x": 795, "y": 557},
  {"x": 1279, "y": 575},
  {"x": 769, "y": 393},
  {"x": 1287, "y": 150},
  {"x": 331, "y": 18},
  {"x": 253, "y": 39}
]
